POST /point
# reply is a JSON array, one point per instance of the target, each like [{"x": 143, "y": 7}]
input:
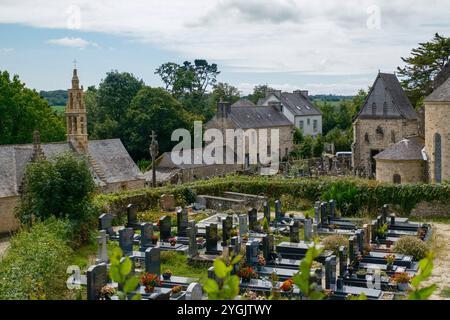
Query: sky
[{"x": 324, "y": 46}]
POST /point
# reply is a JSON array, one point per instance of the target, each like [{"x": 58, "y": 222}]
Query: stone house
[
  {"x": 256, "y": 121},
  {"x": 385, "y": 118},
  {"x": 111, "y": 165},
  {"x": 297, "y": 108}
]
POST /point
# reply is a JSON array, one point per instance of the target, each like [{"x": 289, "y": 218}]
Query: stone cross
[
  {"x": 153, "y": 153},
  {"x": 102, "y": 255}
]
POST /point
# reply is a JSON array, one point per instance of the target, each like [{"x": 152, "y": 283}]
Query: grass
[
  {"x": 178, "y": 264},
  {"x": 445, "y": 293},
  {"x": 59, "y": 109}
]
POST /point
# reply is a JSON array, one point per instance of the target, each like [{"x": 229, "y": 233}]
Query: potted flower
[
  {"x": 361, "y": 274},
  {"x": 247, "y": 273},
  {"x": 106, "y": 292},
  {"x": 234, "y": 233},
  {"x": 287, "y": 286},
  {"x": 150, "y": 281},
  {"x": 175, "y": 291},
  {"x": 173, "y": 241},
  {"x": 261, "y": 262},
  {"x": 167, "y": 274},
  {"x": 402, "y": 280},
  {"x": 382, "y": 231},
  {"x": 390, "y": 259},
  {"x": 154, "y": 239},
  {"x": 245, "y": 238}
]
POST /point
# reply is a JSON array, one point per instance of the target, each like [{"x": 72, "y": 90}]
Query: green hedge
[
  {"x": 34, "y": 267},
  {"x": 352, "y": 195}
]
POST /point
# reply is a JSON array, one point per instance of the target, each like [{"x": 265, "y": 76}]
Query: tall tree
[
  {"x": 225, "y": 92},
  {"x": 22, "y": 111},
  {"x": 425, "y": 62},
  {"x": 259, "y": 92}
]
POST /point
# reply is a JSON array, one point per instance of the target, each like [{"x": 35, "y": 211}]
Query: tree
[
  {"x": 424, "y": 64},
  {"x": 22, "y": 111},
  {"x": 298, "y": 136},
  {"x": 317, "y": 147},
  {"x": 153, "y": 109},
  {"x": 112, "y": 99},
  {"x": 225, "y": 92},
  {"x": 259, "y": 92},
  {"x": 60, "y": 188}
]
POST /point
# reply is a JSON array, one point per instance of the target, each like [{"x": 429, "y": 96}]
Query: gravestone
[
  {"x": 132, "y": 221},
  {"x": 351, "y": 248},
  {"x": 192, "y": 236},
  {"x": 373, "y": 231},
  {"x": 330, "y": 273},
  {"x": 153, "y": 260},
  {"x": 294, "y": 229},
  {"x": 366, "y": 234},
  {"x": 105, "y": 223},
  {"x": 102, "y": 254},
  {"x": 332, "y": 208},
  {"x": 342, "y": 260},
  {"x": 317, "y": 212},
  {"x": 278, "y": 213},
  {"x": 126, "y": 236},
  {"x": 315, "y": 232},
  {"x": 266, "y": 247},
  {"x": 252, "y": 219},
  {"x": 182, "y": 222},
  {"x": 227, "y": 225},
  {"x": 385, "y": 212},
  {"x": 146, "y": 235},
  {"x": 236, "y": 245},
  {"x": 266, "y": 211},
  {"x": 251, "y": 252},
  {"x": 167, "y": 202},
  {"x": 271, "y": 239},
  {"x": 359, "y": 241},
  {"x": 323, "y": 213},
  {"x": 97, "y": 278},
  {"x": 165, "y": 226},
  {"x": 211, "y": 239},
  {"x": 392, "y": 218},
  {"x": 307, "y": 229},
  {"x": 243, "y": 225},
  {"x": 194, "y": 291}
]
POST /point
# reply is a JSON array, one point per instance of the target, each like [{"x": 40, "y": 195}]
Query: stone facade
[
  {"x": 8, "y": 221},
  {"x": 437, "y": 123},
  {"x": 372, "y": 136},
  {"x": 400, "y": 171}
]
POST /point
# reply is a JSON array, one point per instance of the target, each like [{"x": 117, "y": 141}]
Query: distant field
[
  {"x": 59, "y": 109},
  {"x": 334, "y": 103}
]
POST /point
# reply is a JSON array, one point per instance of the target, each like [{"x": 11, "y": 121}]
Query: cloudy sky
[{"x": 325, "y": 46}]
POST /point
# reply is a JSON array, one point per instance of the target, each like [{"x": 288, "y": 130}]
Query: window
[
  {"x": 397, "y": 179},
  {"x": 315, "y": 125},
  {"x": 308, "y": 121},
  {"x": 300, "y": 125},
  {"x": 385, "y": 109},
  {"x": 374, "y": 109}
]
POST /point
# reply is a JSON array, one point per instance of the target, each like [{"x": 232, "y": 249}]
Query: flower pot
[
  {"x": 166, "y": 276},
  {"x": 389, "y": 267},
  {"x": 149, "y": 289},
  {"x": 154, "y": 242},
  {"x": 403, "y": 286}
]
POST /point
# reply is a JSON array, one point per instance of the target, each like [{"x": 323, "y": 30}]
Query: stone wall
[
  {"x": 204, "y": 172},
  {"x": 122, "y": 186},
  {"x": 409, "y": 171},
  {"x": 8, "y": 221},
  {"x": 427, "y": 209},
  {"x": 392, "y": 131},
  {"x": 437, "y": 120}
]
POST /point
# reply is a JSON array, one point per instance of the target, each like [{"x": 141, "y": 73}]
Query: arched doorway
[
  {"x": 397, "y": 179},
  {"x": 437, "y": 157}
]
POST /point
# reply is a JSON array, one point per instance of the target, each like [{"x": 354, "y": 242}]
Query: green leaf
[
  {"x": 131, "y": 284},
  {"x": 125, "y": 266},
  {"x": 136, "y": 297},
  {"x": 211, "y": 286},
  {"x": 114, "y": 274},
  {"x": 220, "y": 268},
  {"x": 236, "y": 259}
]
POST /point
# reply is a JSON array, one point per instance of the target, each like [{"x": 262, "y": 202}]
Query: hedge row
[{"x": 352, "y": 195}]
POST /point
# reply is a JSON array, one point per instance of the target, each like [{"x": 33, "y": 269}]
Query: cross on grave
[{"x": 154, "y": 149}]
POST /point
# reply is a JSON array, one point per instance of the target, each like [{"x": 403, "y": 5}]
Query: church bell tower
[{"x": 76, "y": 116}]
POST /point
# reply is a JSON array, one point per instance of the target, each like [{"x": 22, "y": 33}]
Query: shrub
[
  {"x": 334, "y": 242},
  {"x": 291, "y": 202},
  {"x": 34, "y": 265},
  {"x": 411, "y": 246}
]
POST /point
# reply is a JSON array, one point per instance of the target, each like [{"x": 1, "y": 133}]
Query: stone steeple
[{"x": 76, "y": 116}]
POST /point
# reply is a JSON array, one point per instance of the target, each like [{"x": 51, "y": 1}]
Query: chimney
[
  {"x": 304, "y": 93},
  {"x": 276, "y": 105},
  {"x": 269, "y": 91},
  {"x": 223, "y": 110}
]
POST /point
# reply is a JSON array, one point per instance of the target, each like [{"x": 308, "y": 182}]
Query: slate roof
[
  {"x": 242, "y": 103},
  {"x": 110, "y": 155},
  {"x": 295, "y": 102},
  {"x": 166, "y": 160},
  {"x": 406, "y": 149},
  {"x": 441, "y": 94},
  {"x": 399, "y": 107},
  {"x": 258, "y": 117}
]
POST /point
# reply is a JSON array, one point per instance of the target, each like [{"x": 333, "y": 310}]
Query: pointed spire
[
  {"x": 75, "y": 80},
  {"x": 38, "y": 153}
]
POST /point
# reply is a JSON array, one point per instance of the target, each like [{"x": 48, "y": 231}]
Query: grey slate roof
[
  {"x": 298, "y": 104},
  {"x": 258, "y": 117},
  {"x": 441, "y": 94},
  {"x": 110, "y": 155},
  {"x": 387, "y": 89},
  {"x": 242, "y": 103},
  {"x": 406, "y": 149}
]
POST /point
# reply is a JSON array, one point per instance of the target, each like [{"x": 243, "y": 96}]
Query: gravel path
[{"x": 441, "y": 270}]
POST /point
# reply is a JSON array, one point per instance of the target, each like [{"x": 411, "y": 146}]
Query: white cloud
[
  {"x": 6, "y": 50},
  {"x": 72, "y": 42},
  {"x": 322, "y": 37}
]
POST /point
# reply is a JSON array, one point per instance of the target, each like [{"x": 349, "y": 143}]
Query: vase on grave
[
  {"x": 276, "y": 293},
  {"x": 389, "y": 267},
  {"x": 149, "y": 289}
]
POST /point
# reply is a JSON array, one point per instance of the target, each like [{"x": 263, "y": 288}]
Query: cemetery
[{"x": 258, "y": 241}]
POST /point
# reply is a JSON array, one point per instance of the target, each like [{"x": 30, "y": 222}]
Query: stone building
[
  {"x": 423, "y": 159},
  {"x": 385, "y": 118},
  {"x": 257, "y": 121},
  {"x": 111, "y": 165},
  {"x": 297, "y": 108}
]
